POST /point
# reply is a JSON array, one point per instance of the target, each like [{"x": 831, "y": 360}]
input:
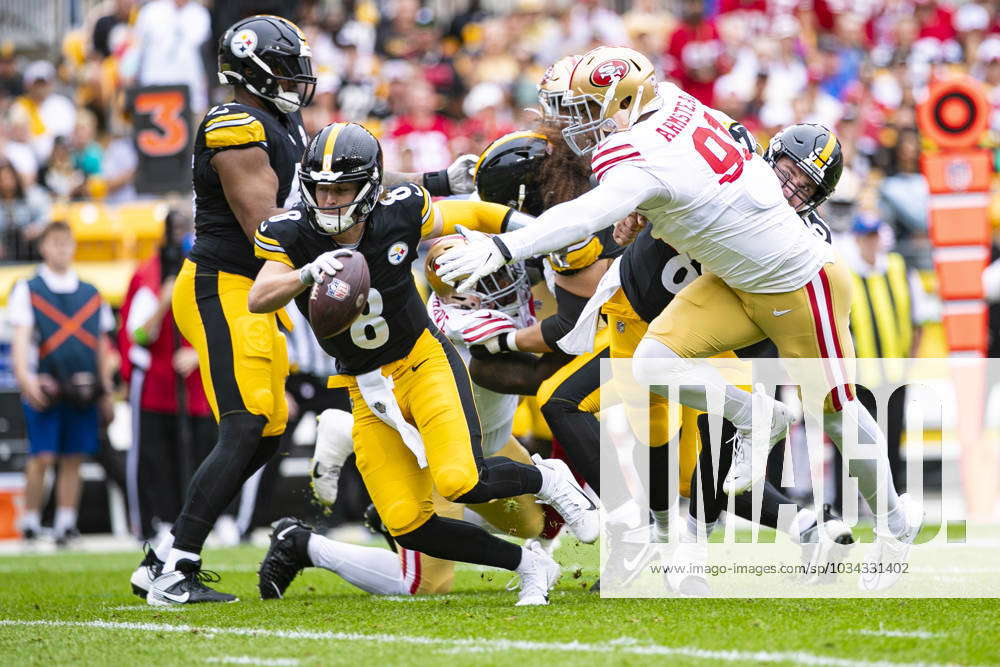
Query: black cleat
[
  {"x": 374, "y": 523},
  {"x": 626, "y": 560},
  {"x": 149, "y": 569},
  {"x": 65, "y": 538},
  {"x": 286, "y": 557},
  {"x": 29, "y": 535},
  {"x": 186, "y": 585}
]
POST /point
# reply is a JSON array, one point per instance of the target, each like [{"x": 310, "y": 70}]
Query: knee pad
[
  {"x": 454, "y": 481},
  {"x": 403, "y": 517},
  {"x": 333, "y": 437},
  {"x": 254, "y": 349}
]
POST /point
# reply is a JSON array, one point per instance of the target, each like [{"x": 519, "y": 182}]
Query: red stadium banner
[{"x": 162, "y": 126}]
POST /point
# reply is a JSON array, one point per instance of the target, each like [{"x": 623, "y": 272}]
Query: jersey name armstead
[{"x": 679, "y": 118}]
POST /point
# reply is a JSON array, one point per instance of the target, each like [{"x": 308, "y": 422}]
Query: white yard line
[
  {"x": 250, "y": 660},
  {"x": 907, "y": 634},
  {"x": 620, "y": 646}
]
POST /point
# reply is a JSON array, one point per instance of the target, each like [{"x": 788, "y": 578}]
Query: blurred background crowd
[{"x": 434, "y": 79}]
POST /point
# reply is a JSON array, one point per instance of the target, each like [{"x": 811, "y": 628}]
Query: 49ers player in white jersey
[{"x": 659, "y": 151}]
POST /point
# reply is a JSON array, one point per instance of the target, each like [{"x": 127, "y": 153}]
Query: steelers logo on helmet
[
  {"x": 608, "y": 72},
  {"x": 397, "y": 252},
  {"x": 243, "y": 43}
]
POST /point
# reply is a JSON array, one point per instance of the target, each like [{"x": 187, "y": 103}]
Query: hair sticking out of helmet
[
  {"x": 605, "y": 82},
  {"x": 270, "y": 57},
  {"x": 813, "y": 150},
  {"x": 341, "y": 153},
  {"x": 506, "y": 290}
]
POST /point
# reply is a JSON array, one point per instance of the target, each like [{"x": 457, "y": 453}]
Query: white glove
[
  {"x": 481, "y": 257},
  {"x": 491, "y": 328},
  {"x": 460, "y": 174},
  {"x": 325, "y": 264}
]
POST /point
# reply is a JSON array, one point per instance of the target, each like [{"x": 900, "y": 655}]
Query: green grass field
[{"x": 76, "y": 608}]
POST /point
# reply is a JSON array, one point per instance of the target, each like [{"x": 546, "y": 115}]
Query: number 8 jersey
[
  {"x": 720, "y": 203},
  {"x": 395, "y": 315}
]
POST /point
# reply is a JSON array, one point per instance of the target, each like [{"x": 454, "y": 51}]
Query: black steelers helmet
[
  {"x": 507, "y": 171},
  {"x": 261, "y": 53},
  {"x": 341, "y": 153},
  {"x": 816, "y": 151}
]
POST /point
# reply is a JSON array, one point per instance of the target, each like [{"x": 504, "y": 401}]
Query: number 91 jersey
[{"x": 395, "y": 315}]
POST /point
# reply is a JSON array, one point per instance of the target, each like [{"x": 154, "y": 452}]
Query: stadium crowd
[{"x": 433, "y": 86}]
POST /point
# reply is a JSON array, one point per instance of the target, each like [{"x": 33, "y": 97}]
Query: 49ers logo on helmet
[{"x": 605, "y": 73}]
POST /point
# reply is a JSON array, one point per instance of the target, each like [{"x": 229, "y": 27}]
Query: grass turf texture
[{"x": 323, "y": 620}]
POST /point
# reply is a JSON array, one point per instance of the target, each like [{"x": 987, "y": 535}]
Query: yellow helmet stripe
[
  {"x": 523, "y": 134},
  {"x": 331, "y": 140},
  {"x": 824, "y": 154}
]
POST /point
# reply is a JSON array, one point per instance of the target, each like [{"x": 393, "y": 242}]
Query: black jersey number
[
  {"x": 370, "y": 330},
  {"x": 678, "y": 273}
]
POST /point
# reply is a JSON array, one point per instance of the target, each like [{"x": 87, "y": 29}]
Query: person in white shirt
[
  {"x": 59, "y": 351},
  {"x": 658, "y": 151},
  {"x": 47, "y": 114}
]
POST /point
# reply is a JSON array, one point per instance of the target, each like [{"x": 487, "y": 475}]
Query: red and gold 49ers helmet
[
  {"x": 552, "y": 87},
  {"x": 606, "y": 81},
  {"x": 506, "y": 290}
]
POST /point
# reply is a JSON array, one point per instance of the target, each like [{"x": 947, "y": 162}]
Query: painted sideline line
[
  {"x": 250, "y": 660},
  {"x": 911, "y": 634},
  {"x": 622, "y": 645}
]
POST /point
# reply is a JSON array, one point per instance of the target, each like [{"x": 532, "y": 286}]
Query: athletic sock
[
  {"x": 661, "y": 524},
  {"x": 371, "y": 569},
  {"x": 162, "y": 549},
  {"x": 65, "y": 520},
  {"x": 31, "y": 520},
  {"x": 170, "y": 562}
]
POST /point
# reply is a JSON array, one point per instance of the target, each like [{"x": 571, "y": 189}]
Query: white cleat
[
  {"x": 333, "y": 446},
  {"x": 538, "y": 578},
  {"x": 886, "y": 560},
  {"x": 686, "y": 573},
  {"x": 750, "y": 450},
  {"x": 823, "y": 550},
  {"x": 581, "y": 513}
]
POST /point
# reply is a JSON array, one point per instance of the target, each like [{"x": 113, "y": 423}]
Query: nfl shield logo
[{"x": 338, "y": 289}]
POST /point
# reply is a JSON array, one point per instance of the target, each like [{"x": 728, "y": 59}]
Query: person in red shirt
[
  {"x": 172, "y": 425},
  {"x": 695, "y": 55}
]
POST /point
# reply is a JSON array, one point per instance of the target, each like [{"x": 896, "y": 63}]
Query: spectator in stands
[
  {"x": 695, "y": 55},
  {"x": 11, "y": 81},
  {"x": 110, "y": 30},
  {"x": 167, "y": 48},
  {"x": 903, "y": 200},
  {"x": 172, "y": 426},
  {"x": 419, "y": 138},
  {"x": 47, "y": 114},
  {"x": 61, "y": 358},
  {"x": 24, "y": 212},
  {"x": 14, "y": 146},
  {"x": 60, "y": 175}
]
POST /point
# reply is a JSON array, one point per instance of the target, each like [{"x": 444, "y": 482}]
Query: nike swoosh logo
[
  {"x": 281, "y": 535},
  {"x": 631, "y": 564},
  {"x": 585, "y": 496},
  {"x": 779, "y": 313},
  {"x": 263, "y": 226},
  {"x": 179, "y": 599},
  {"x": 416, "y": 366}
]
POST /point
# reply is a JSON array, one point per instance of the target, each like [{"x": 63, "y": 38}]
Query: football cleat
[
  {"x": 581, "y": 513},
  {"x": 538, "y": 578},
  {"x": 186, "y": 585},
  {"x": 625, "y": 559},
  {"x": 149, "y": 569},
  {"x": 686, "y": 573},
  {"x": 884, "y": 563},
  {"x": 750, "y": 450},
  {"x": 374, "y": 523},
  {"x": 286, "y": 557},
  {"x": 824, "y": 546},
  {"x": 64, "y": 539}
]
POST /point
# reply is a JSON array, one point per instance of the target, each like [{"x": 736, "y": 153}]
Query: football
[{"x": 337, "y": 301}]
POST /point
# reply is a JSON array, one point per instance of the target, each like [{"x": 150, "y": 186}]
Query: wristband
[
  {"x": 508, "y": 342},
  {"x": 504, "y": 250},
  {"x": 437, "y": 183}
]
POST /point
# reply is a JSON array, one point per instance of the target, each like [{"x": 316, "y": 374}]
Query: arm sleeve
[
  {"x": 478, "y": 215},
  {"x": 621, "y": 190}
]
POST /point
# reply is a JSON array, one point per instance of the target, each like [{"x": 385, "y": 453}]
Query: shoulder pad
[{"x": 233, "y": 125}]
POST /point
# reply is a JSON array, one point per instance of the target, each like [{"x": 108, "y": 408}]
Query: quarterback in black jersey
[{"x": 415, "y": 422}]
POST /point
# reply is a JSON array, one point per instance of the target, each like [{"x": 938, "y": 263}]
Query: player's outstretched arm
[
  {"x": 455, "y": 180},
  {"x": 480, "y": 216},
  {"x": 620, "y": 191},
  {"x": 250, "y": 185}
]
